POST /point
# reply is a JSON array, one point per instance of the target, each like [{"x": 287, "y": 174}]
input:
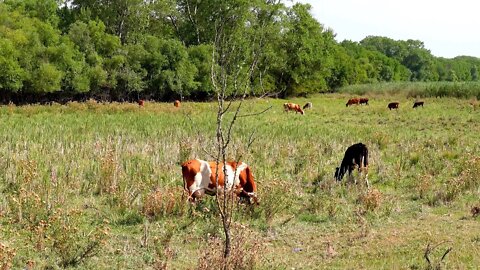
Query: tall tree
[
  {"x": 307, "y": 46},
  {"x": 127, "y": 19}
]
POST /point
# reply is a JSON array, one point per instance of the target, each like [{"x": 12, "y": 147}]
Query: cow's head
[
  {"x": 339, "y": 173},
  {"x": 189, "y": 170},
  {"x": 194, "y": 196}
]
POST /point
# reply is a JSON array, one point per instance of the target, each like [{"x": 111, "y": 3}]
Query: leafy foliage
[{"x": 131, "y": 49}]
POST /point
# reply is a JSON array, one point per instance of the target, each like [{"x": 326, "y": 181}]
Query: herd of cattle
[
  {"x": 202, "y": 177},
  {"x": 353, "y": 101}
]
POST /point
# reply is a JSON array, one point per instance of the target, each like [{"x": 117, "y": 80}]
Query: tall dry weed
[
  {"x": 164, "y": 203},
  {"x": 107, "y": 182},
  {"x": 246, "y": 250},
  {"x": 371, "y": 200},
  {"x": 7, "y": 254}
]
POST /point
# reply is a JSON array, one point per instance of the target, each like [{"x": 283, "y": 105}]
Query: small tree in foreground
[{"x": 240, "y": 30}]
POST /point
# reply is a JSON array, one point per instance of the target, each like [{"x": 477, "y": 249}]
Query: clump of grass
[
  {"x": 164, "y": 203},
  {"x": 71, "y": 243},
  {"x": 424, "y": 186},
  {"x": 164, "y": 252},
  {"x": 246, "y": 249},
  {"x": 186, "y": 150},
  {"x": 108, "y": 174},
  {"x": 7, "y": 254},
  {"x": 27, "y": 206},
  {"x": 467, "y": 180},
  {"x": 381, "y": 139},
  {"x": 273, "y": 201},
  {"x": 371, "y": 200}
]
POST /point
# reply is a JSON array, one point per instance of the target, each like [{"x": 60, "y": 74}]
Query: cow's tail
[
  {"x": 250, "y": 188},
  {"x": 365, "y": 157}
]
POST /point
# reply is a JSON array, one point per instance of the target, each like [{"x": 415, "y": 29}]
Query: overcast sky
[{"x": 447, "y": 28}]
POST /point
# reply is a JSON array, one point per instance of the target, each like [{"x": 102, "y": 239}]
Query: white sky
[{"x": 447, "y": 28}]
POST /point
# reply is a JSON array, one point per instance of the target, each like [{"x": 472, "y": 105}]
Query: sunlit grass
[{"x": 107, "y": 164}]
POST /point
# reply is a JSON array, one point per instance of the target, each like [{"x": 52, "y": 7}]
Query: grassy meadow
[{"x": 98, "y": 186}]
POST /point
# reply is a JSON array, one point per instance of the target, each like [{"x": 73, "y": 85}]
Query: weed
[
  {"x": 72, "y": 244},
  {"x": 245, "y": 251},
  {"x": 164, "y": 203},
  {"x": 108, "y": 174},
  {"x": 6, "y": 257},
  {"x": 371, "y": 200}
]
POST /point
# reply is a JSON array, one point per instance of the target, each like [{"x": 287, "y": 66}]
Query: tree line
[{"x": 162, "y": 49}]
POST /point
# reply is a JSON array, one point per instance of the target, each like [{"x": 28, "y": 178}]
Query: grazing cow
[
  {"x": 293, "y": 107},
  {"x": 356, "y": 155},
  {"x": 176, "y": 103},
  {"x": 363, "y": 101},
  {"x": 418, "y": 104},
  {"x": 141, "y": 102},
  {"x": 199, "y": 177},
  {"x": 307, "y": 106},
  {"x": 393, "y": 105},
  {"x": 353, "y": 101}
]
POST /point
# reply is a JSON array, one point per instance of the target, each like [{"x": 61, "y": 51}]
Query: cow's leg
[{"x": 350, "y": 176}]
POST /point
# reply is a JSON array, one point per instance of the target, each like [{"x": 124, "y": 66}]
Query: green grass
[
  {"x": 82, "y": 175},
  {"x": 465, "y": 90}
]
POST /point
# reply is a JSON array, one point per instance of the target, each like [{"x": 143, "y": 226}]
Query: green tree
[
  {"x": 47, "y": 78},
  {"x": 45, "y": 10},
  {"x": 307, "y": 47},
  {"x": 11, "y": 73},
  {"x": 170, "y": 71},
  {"x": 127, "y": 19}
]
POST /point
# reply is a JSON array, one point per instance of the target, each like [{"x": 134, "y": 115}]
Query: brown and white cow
[
  {"x": 352, "y": 101},
  {"x": 393, "y": 105},
  {"x": 176, "y": 103},
  {"x": 199, "y": 177},
  {"x": 141, "y": 102},
  {"x": 293, "y": 107}
]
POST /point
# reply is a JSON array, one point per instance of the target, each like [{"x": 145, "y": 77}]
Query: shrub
[
  {"x": 244, "y": 254},
  {"x": 74, "y": 244},
  {"x": 371, "y": 200},
  {"x": 6, "y": 257},
  {"x": 162, "y": 203}
]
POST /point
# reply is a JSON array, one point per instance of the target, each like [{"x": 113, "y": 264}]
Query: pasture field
[
  {"x": 98, "y": 186},
  {"x": 418, "y": 89}
]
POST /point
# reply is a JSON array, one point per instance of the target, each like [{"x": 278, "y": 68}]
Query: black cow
[
  {"x": 356, "y": 155},
  {"x": 418, "y": 104},
  {"x": 393, "y": 105}
]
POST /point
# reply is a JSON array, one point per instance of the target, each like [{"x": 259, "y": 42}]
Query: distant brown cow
[
  {"x": 293, "y": 107},
  {"x": 418, "y": 104},
  {"x": 176, "y": 103},
  {"x": 353, "y": 101},
  {"x": 364, "y": 101},
  {"x": 141, "y": 102},
  {"x": 393, "y": 105}
]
